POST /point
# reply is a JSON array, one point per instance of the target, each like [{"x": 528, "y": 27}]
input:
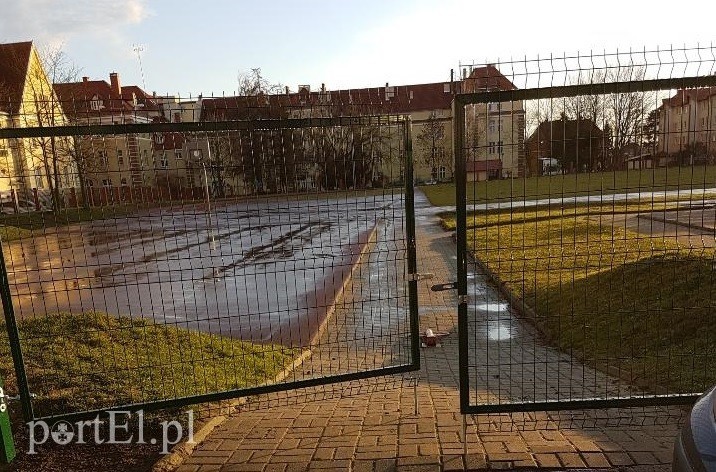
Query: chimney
[
  {"x": 287, "y": 91},
  {"x": 85, "y": 79},
  {"x": 323, "y": 88},
  {"x": 114, "y": 83}
]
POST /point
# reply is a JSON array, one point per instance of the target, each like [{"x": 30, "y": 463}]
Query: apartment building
[
  {"x": 495, "y": 131},
  {"x": 687, "y": 127},
  {"x": 111, "y": 161}
]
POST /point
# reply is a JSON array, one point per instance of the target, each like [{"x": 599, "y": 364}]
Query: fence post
[{"x": 7, "y": 444}]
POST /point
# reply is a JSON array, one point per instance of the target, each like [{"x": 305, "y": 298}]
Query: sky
[{"x": 192, "y": 47}]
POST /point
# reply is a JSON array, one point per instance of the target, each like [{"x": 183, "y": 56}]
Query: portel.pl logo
[{"x": 116, "y": 428}]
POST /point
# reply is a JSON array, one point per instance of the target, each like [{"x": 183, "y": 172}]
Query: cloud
[{"x": 58, "y": 21}]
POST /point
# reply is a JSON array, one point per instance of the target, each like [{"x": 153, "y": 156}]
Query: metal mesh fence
[
  {"x": 192, "y": 251},
  {"x": 586, "y": 221}
]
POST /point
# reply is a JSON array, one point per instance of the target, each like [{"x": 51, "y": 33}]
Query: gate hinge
[{"x": 416, "y": 277}]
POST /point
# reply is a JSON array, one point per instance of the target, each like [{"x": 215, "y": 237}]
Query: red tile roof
[
  {"x": 395, "y": 99},
  {"x": 76, "y": 99},
  {"x": 379, "y": 100},
  {"x": 14, "y": 60},
  {"x": 487, "y": 78}
]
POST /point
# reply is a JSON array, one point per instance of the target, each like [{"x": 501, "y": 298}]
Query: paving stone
[
  {"x": 237, "y": 467},
  {"x": 547, "y": 460},
  {"x": 385, "y": 465},
  {"x": 595, "y": 459},
  {"x": 330, "y": 465},
  {"x": 187, "y": 468},
  {"x": 644, "y": 458},
  {"x": 619, "y": 458},
  {"x": 570, "y": 459},
  {"x": 324, "y": 453}
]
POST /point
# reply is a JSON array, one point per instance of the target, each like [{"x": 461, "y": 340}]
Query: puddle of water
[
  {"x": 491, "y": 307},
  {"x": 499, "y": 331}
]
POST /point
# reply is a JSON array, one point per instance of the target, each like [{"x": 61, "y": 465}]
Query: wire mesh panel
[
  {"x": 585, "y": 229},
  {"x": 190, "y": 251}
]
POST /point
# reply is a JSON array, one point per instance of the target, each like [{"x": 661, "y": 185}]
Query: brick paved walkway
[{"x": 372, "y": 426}]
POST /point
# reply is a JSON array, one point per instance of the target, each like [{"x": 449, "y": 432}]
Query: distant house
[
  {"x": 111, "y": 161},
  {"x": 28, "y": 100},
  {"x": 633, "y": 156},
  {"x": 576, "y": 144},
  {"x": 488, "y": 169}
]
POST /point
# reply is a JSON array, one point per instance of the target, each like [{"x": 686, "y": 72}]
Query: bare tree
[
  {"x": 620, "y": 115},
  {"x": 431, "y": 140},
  {"x": 253, "y": 83}
]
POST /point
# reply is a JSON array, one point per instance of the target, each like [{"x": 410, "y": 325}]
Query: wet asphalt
[{"x": 261, "y": 270}]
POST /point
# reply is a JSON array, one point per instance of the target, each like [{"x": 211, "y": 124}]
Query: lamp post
[{"x": 197, "y": 155}]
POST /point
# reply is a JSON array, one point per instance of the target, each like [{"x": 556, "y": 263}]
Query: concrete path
[{"x": 372, "y": 425}]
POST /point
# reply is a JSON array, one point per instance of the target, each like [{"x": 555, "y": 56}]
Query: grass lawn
[
  {"x": 664, "y": 178},
  {"x": 642, "y": 305},
  {"x": 541, "y": 213},
  {"x": 93, "y": 360}
]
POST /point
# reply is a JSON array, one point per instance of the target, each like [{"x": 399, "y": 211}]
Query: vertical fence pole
[
  {"x": 458, "y": 109},
  {"x": 412, "y": 256},
  {"x": 14, "y": 336}
]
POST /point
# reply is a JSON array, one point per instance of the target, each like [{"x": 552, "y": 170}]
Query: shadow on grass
[{"x": 650, "y": 322}]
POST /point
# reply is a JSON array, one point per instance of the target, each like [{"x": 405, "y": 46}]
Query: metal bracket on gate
[
  {"x": 443, "y": 287},
  {"x": 416, "y": 277}
]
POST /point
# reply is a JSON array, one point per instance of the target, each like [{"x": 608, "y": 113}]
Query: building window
[
  {"x": 120, "y": 157},
  {"x": 500, "y": 150},
  {"x": 124, "y": 181},
  {"x": 164, "y": 161},
  {"x": 102, "y": 156},
  {"x": 492, "y": 126},
  {"x": 178, "y": 155},
  {"x": 107, "y": 182},
  {"x": 96, "y": 104},
  {"x": 443, "y": 173},
  {"x": 491, "y": 147}
]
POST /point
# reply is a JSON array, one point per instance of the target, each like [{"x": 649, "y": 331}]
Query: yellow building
[{"x": 27, "y": 99}]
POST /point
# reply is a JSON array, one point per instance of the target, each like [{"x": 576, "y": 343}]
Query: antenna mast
[{"x": 138, "y": 48}]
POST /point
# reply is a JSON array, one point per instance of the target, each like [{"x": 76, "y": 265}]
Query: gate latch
[
  {"x": 443, "y": 287},
  {"x": 416, "y": 277},
  {"x": 5, "y": 399}
]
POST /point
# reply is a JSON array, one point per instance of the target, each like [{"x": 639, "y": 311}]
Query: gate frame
[
  {"x": 25, "y": 397},
  {"x": 460, "y": 101}
]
